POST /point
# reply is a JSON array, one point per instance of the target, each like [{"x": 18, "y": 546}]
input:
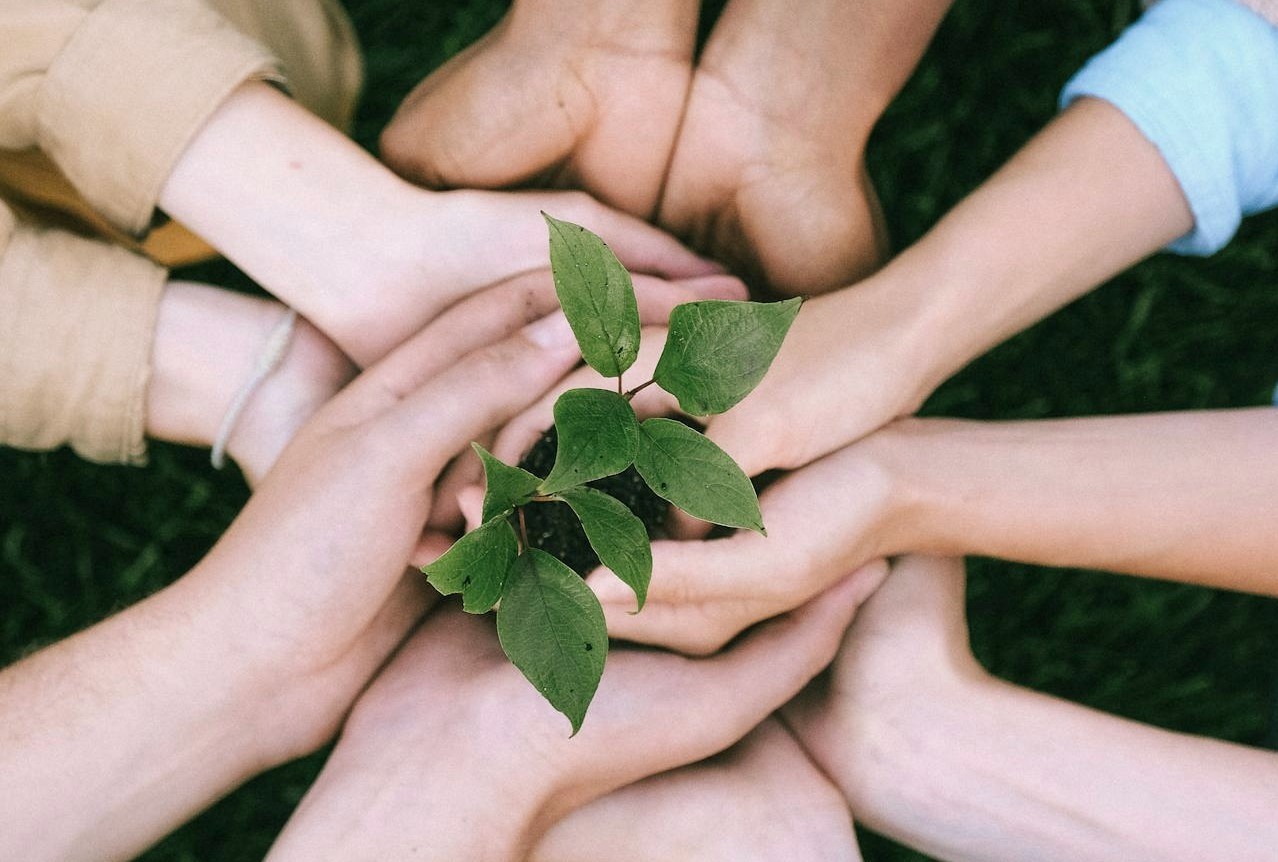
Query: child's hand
[
  {"x": 451, "y": 754},
  {"x": 761, "y": 800}
]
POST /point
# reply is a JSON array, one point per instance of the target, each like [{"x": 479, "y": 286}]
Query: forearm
[
  {"x": 468, "y": 809},
  {"x": 1086, "y": 198},
  {"x": 1181, "y": 495},
  {"x": 995, "y": 772},
  {"x": 298, "y": 207},
  {"x": 114, "y": 737}
]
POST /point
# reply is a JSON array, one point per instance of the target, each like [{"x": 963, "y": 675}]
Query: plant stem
[
  {"x": 620, "y": 391},
  {"x": 523, "y": 529},
  {"x": 629, "y": 396}
]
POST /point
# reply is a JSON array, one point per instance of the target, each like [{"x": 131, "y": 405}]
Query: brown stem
[{"x": 629, "y": 396}]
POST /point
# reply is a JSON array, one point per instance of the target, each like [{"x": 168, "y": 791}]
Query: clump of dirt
[{"x": 553, "y": 528}]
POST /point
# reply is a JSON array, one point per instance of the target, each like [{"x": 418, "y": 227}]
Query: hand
[
  {"x": 452, "y": 755},
  {"x": 311, "y": 575},
  {"x": 826, "y": 519},
  {"x": 906, "y": 657},
  {"x": 574, "y": 95},
  {"x": 762, "y": 175},
  {"x": 363, "y": 255},
  {"x": 256, "y": 655},
  {"x": 760, "y": 800}
]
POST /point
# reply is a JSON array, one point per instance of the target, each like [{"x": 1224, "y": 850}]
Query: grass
[{"x": 78, "y": 542}]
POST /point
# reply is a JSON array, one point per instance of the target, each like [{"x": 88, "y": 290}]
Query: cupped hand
[
  {"x": 586, "y": 98},
  {"x": 823, "y": 521},
  {"x": 762, "y": 800},
  {"x": 738, "y": 157},
  {"x": 451, "y": 754},
  {"x": 310, "y": 578},
  {"x": 908, "y": 648}
]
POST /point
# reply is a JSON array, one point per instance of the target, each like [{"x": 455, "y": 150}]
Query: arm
[
  {"x": 256, "y": 655},
  {"x": 933, "y": 752},
  {"x": 451, "y": 754},
  {"x": 365, "y": 256},
  {"x": 1179, "y": 137},
  {"x": 1086, "y": 198},
  {"x": 1187, "y": 496}
]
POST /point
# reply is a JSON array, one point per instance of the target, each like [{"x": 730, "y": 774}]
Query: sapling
[{"x": 550, "y": 624}]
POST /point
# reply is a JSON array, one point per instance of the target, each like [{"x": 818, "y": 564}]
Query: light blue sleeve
[{"x": 1199, "y": 78}]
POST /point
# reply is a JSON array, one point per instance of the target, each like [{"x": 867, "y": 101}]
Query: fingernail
[{"x": 551, "y": 333}]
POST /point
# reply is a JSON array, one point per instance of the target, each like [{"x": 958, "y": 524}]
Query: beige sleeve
[
  {"x": 114, "y": 90},
  {"x": 77, "y": 322}
]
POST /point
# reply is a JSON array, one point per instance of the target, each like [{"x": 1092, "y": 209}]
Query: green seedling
[{"x": 550, "y": 624}]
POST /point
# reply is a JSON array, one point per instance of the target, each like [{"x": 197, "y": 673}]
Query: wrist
[
  {"x": 207, "y": 345},
  {"x": 896, "y": 750},
  {"x": 920, "y": 514},
  {"x": 467, "y": 807}
]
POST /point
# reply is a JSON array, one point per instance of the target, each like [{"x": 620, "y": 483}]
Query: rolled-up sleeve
[
  {"x": 77, "y": 323},
  {"x": 1199, "y": 78},
  {"x": 114, "y": 90}
]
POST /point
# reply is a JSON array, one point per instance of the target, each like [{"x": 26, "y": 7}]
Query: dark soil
[{"x": 554, "y": 528}]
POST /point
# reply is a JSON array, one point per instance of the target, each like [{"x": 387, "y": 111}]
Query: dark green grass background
[{"x": 78, "y": 542}]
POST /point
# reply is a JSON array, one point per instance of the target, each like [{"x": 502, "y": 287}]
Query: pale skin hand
[
  {"x": 933, "y": 752},
  {"x": 761, "y": 800},
  {"x": 739, "y": 155},
  {"x": 117, "y": 735},
  {"x": 366, "y": 257},
  {"x": 1087, "y": 493},
  {"x": 208, "y": 341},
  {"x": 1086, "y": 198},
  {"x": 452, "y": 755}
]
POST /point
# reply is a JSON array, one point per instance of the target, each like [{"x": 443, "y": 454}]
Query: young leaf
[
  {"x": 552, "y": 628},
  {"x": 618, "y": 537},
  {"x": 507, "y": 486},
  {"x": 477, "y": 566},
  {"x": 597, "y": 296},
  {"x": 684, "y": 467},
  {"x": 597, "y": 435},
  {"x": 718, "y": 351}
]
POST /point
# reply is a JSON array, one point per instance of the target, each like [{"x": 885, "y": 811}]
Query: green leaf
[
  {"x": 507, "y": 486},
  {"x": 684, "y": 467},
  {"x": 477, "y": 565},
  {"x": 597, "y": 432},
  {"x": 551, "y": 626},
  {"x": 597, "y": 296},
  {"x": 618, "y": 537},
  {"x": 718, "y": 351}
]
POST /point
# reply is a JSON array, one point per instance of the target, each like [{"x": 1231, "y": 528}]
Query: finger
[
  {"x": 480, "y": 392},
  {"x": 471, "y": 502},
  {"x": 523, "y": 432},
  {"x": 743, "y": 564},
  {"x": 430, "y": 547},
  {"x": 637, "y": 244},
  {"x": 464, "y": 471},
  {"x": 480, "y": 319},
  {"x": 735, "y": 690}
]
